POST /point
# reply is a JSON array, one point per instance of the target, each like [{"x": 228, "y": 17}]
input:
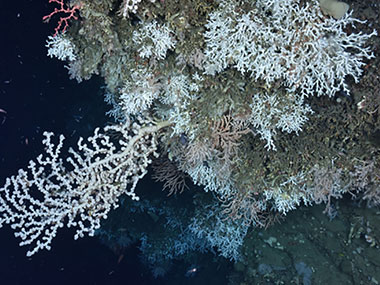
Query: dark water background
[{"x": 38, "y": 96}]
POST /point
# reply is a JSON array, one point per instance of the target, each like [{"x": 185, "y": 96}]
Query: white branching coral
[
  {"x": 286, "y": 112},
  {"x": 289, "y": 194},
  {"x": 154, "y": 40},
  {"x": 138, "y": 93},
  {"x": 61, "y": 47},
  {"x": 289, "y": 49},
  {"x": 80, "y": 190},
  {"x": 284, "y": 40},
  {"x": 226, "y": 236},
  {"x": 130, "y": 6},
  {"x": 178, "y": 92}
]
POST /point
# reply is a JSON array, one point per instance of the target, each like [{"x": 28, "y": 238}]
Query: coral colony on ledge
[{"x": 237, "y": 97}]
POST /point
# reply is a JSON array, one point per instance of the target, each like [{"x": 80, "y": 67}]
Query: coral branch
[
  {"x": 70, "y": 12},
  {"x": 80, "y": 190}
]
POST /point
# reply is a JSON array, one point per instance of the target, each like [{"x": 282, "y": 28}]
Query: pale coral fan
[
  {"x": 327, "y": 184},
  {"x": 365, "y": 178},
  {"x": 80, "y": 190}
]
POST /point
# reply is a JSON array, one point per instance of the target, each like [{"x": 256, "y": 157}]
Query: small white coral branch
[
  {"x": 130, "y": 6},
  {"x": 138, "y": 93},
  {"x": 286, "y": 112},
  {"x": 61, "y": 48},
  {"x": 154, "y": 40}
]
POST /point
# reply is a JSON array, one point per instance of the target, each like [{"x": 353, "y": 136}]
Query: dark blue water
[{"x": 37, "y": 95}]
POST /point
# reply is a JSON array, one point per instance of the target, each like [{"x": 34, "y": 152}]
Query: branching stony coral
[
  {"x": 61, "y": 47},
  {"x": 270, "y": 112},
  {"x": 259, "y": 61},
  {"x": 153, "y": 40},
  {"x": 130, "y": 6},
  {"x": 284, "y": 40},
  {"x": 138, "y": 92},
  {"x": 80, "y": 190},
  {"x": 225, "y": 235},
  {"x": 268, "y": 44}
]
